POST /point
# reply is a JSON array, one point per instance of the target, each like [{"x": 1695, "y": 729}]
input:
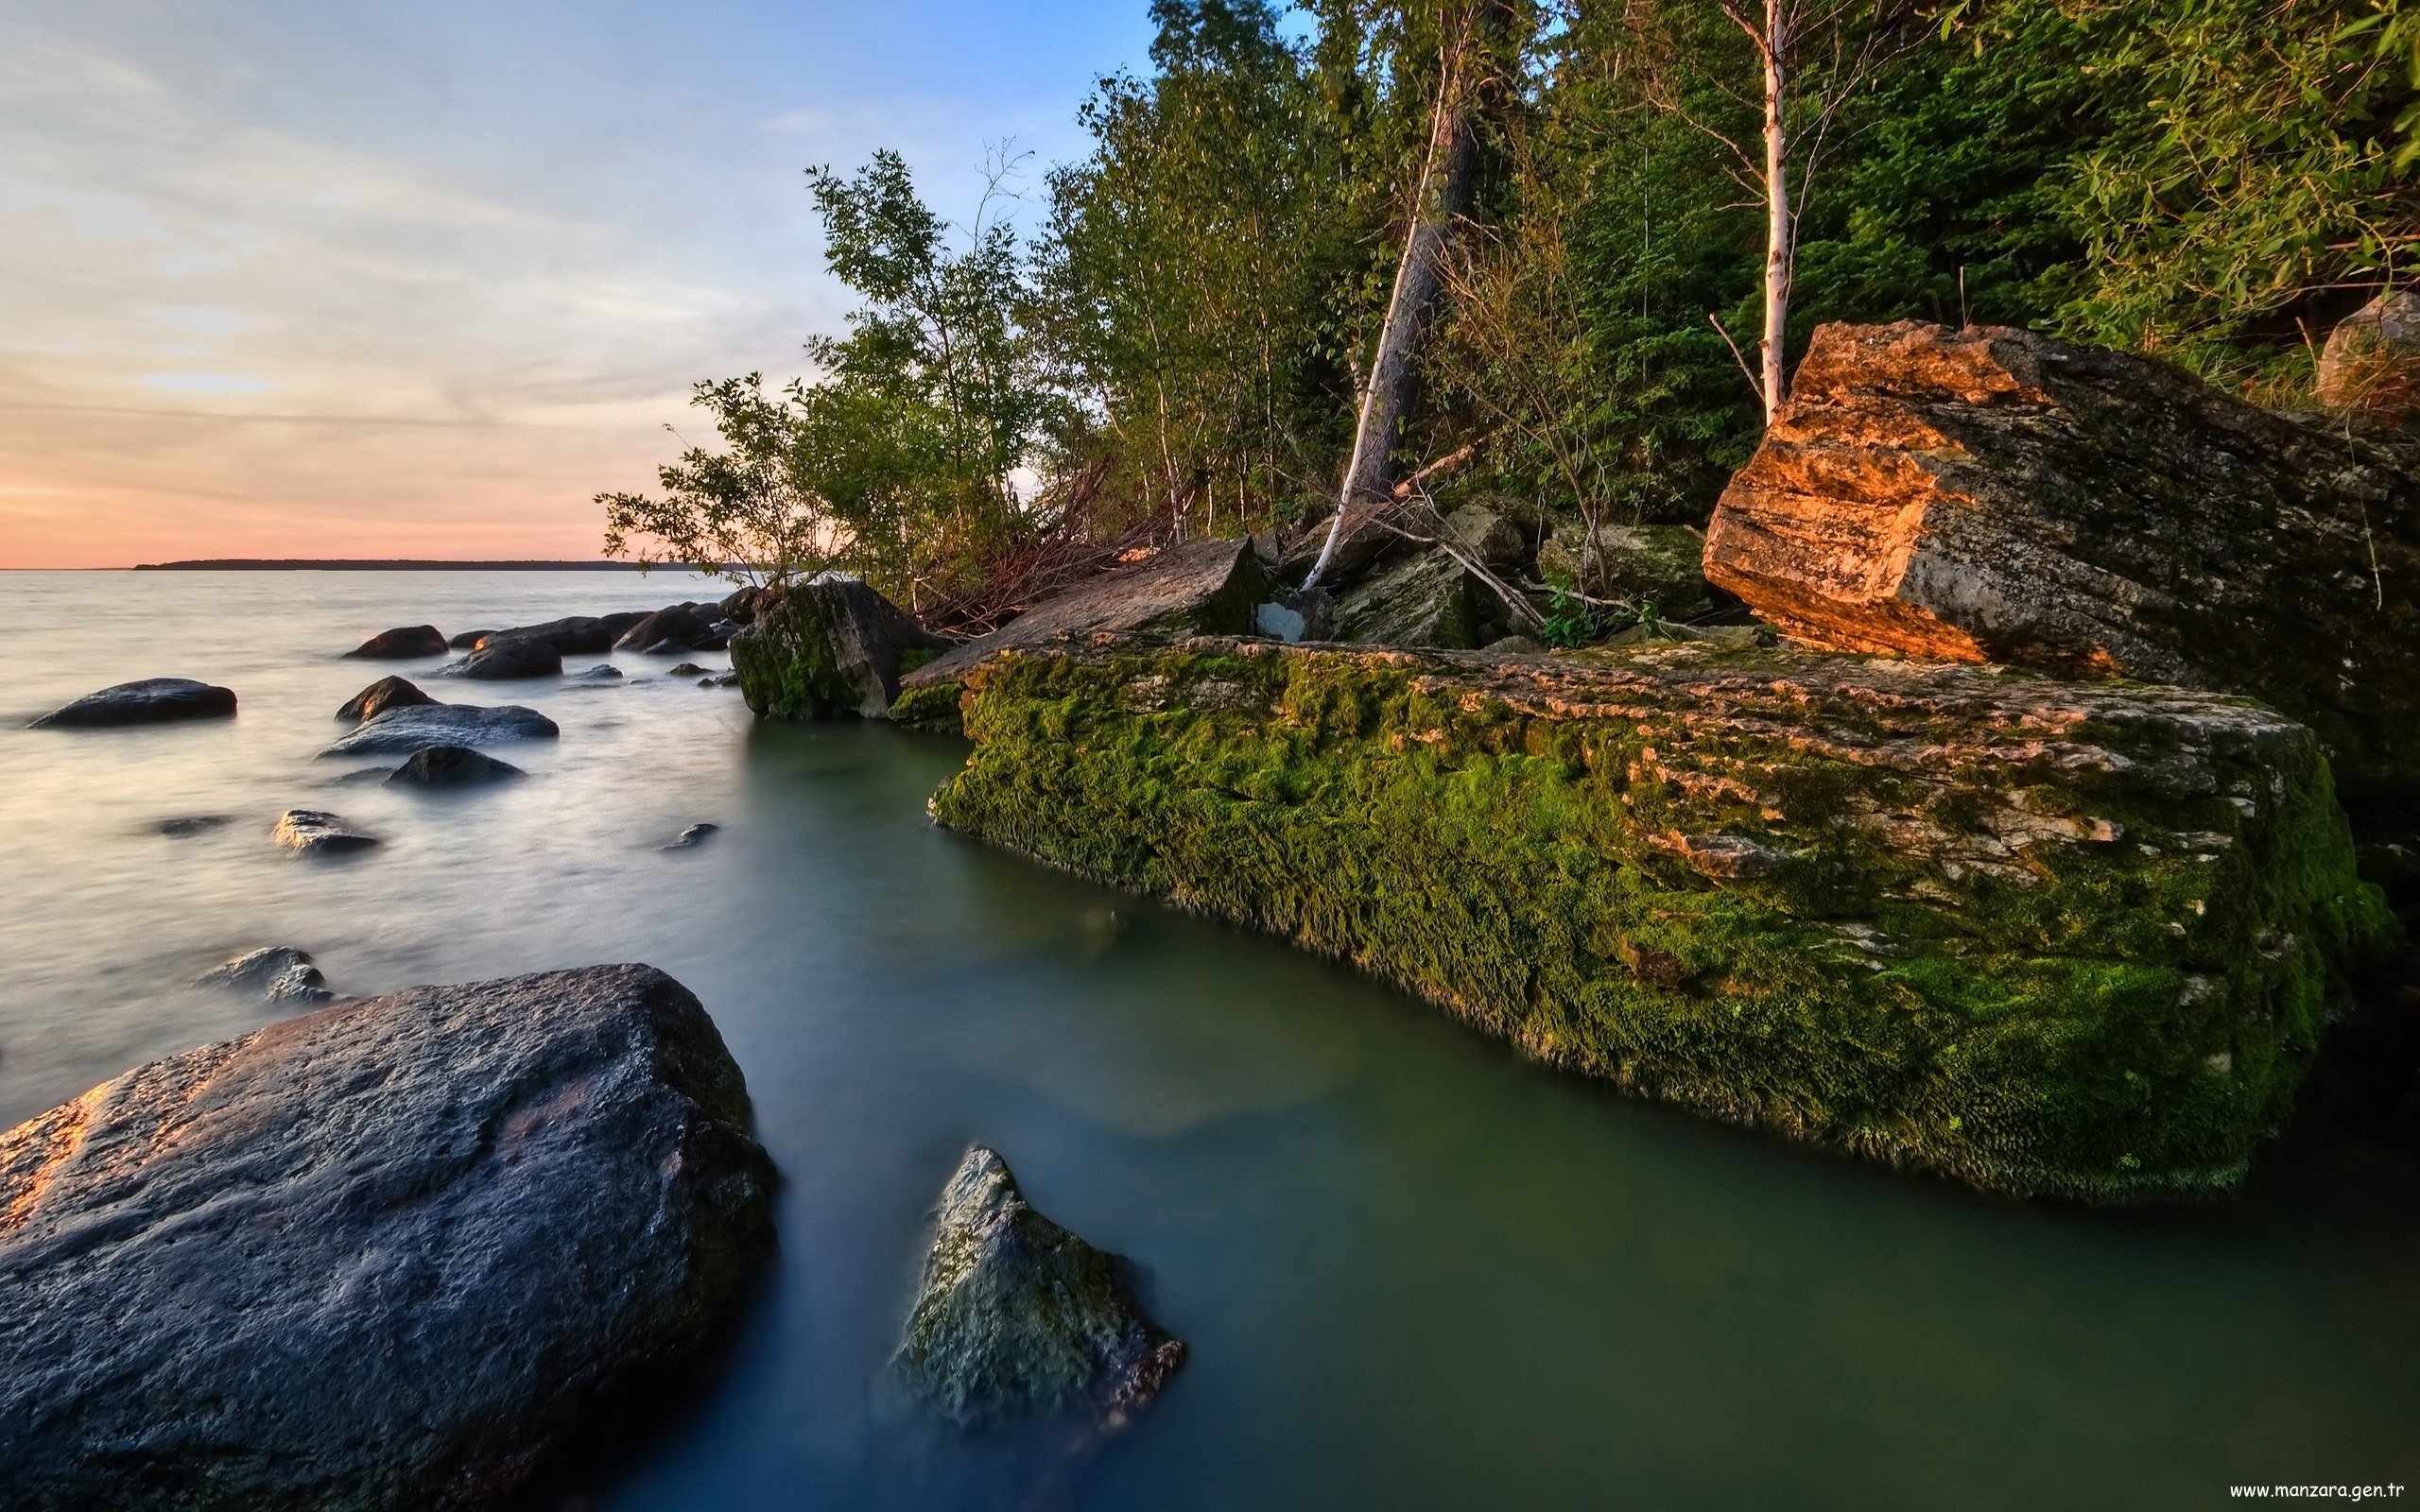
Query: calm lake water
[{"x": 1415, "y": 1271}]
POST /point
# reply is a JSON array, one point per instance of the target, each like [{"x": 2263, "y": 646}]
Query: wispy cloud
[{"x": 277, "y": 278}]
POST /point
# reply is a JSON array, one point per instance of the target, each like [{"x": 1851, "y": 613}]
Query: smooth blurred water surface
[{"x": 1415, "y": 1271}]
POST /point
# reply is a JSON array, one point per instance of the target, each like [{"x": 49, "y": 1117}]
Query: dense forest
[{"x": 1176, "y": 334}]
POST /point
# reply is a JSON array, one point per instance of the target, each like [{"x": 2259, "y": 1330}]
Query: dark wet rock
[
  {"x": 1200, "y": 587},
  {"x": 401, "y": 731},
  {"x": 574, "y": 634},
  {"x": 186, "y": 826},
  {"x": 399, "y": 644},
  {"x": 503, "y": 657},
  {"x": 669, "y": 630},
  {"x": 742, "y": 607},
  {"x": 1015, "y": 1317},
  {"x": 468, "y": 640},
  {"x": 1426, "y": 601},
  {"x": 721, "y": 679},
  {"x": 362, "y": 777},
  {"x": 386, "y": 693},
  {"x": 281, "y": 974},
  {"x": 689, "y": 838},
  {"x": 1662, "y": 565},
  {"x": 151, "y": 701},
  {"x": 1364, "y": 540},
  {"x": 1994, "y": 495},
  {"x": 831, "y": 646},
  {"x": 601, "y": 672},
  {"x": 687, "y": 669},
  {"x": 2371, "y": 365},
  {"x": 316, "y": 831},
  {"x": 451, "y": 767},
  {"x": 409, "y": 1253}
]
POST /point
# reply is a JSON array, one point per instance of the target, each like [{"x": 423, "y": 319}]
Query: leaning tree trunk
[{"x": 1395, "y": 374}]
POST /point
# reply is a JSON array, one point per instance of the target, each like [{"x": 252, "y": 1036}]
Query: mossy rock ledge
[{"x": 2045, "y": 938}]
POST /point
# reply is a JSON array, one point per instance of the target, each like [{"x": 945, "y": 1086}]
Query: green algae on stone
[
  {"x": 830, "y": 645},
  {"x": 2045, "y": 939}
]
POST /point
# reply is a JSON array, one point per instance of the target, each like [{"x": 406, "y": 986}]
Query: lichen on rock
[
  {"x": 1974, "y": 921},
  {"x": 831, "y": 646}
]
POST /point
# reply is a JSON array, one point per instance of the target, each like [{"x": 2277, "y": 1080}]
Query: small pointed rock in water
[
  {"x": 694, "y": 835},
  {"x": 602, "y": 672},
  {"x": 281, "y": 974},
  {"x": 687, "y": 669},
  {"x": 313, "y": 830},
  {"x": 1015, "y": 1317},
  {"x": 451, "y": 767}
]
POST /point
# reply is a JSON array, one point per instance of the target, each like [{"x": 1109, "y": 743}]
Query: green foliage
[
  {"x": 2126, "y": 1020},
  {"x": 899, "y": 462},
  {"x": 742, "y": 513}
]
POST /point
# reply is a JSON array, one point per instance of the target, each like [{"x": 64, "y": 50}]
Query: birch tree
[{"x": 1809, "y": 58}]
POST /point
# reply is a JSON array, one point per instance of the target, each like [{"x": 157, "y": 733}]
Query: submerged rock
[
  {"x": 401, "y": 731},
  {"x": 399, "y": 644},
  {"x": 1976, "y": 920},
  {"x": 314, "y": 832},
  {"x": 186, "y": 826},
  {"x": 1992, "y": 495},
  {"x": 402, "y": 1254},
  {"x": 451, "y": 767},
  {"x": 1016, "y": 1317},
  {"x": 501, "y": 658},
  {"x": 281, "y": 974},
  {"x": 386, "y": 693},
  {"x": 1200, "y": 587},
  {"x": 830, "y": 645},
  {"x": 692, "y": 837},
  {"x": 151, "y": 701}
]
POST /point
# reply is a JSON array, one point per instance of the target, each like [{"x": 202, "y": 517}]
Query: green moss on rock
[{"x": 2044, "y": 939}]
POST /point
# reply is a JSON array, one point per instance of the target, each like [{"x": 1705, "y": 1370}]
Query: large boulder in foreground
[
  {"x": 830, "y": 645},
  {"x": 2039, "y": 936},
  {"x": 1199, "y": 588},
  {"x": 402, "y": 643},
  {"x": 406, "y": 729},
  {"x": 395, "y": 1255},
  {"x": 1015, "y": 1317},
  {"x": 1991, "y": 495},
  {"x": 151, "y": 701}
]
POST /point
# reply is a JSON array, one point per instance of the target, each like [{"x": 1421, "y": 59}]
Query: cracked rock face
[
  {"x": 1017, "y": 1318},
  {"x": 1992, "y": 495},
  {"x": 397, "y": 1255}
]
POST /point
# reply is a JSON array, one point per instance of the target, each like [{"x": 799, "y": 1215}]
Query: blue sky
[{"x": 291, "y": 278}]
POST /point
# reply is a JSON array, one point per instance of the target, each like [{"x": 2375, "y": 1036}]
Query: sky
[{"x": 287, "y": 278}]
